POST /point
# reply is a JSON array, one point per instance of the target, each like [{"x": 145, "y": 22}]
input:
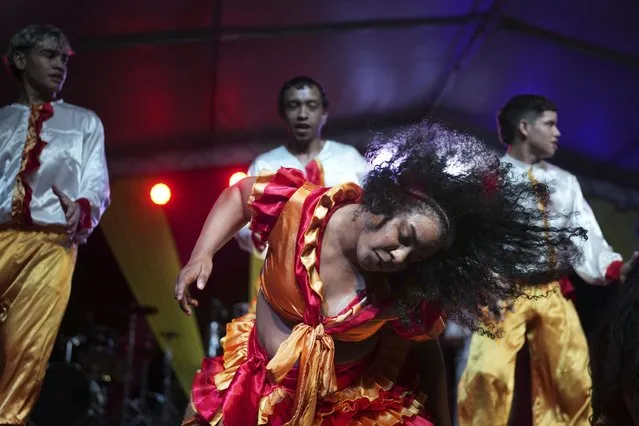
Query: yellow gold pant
[
  {"x": 559, "y": 359},
  {"x": 35, "y": 283}
]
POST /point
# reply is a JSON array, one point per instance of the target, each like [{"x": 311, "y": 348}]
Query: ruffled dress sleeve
[{"x": 270, "y": 193}]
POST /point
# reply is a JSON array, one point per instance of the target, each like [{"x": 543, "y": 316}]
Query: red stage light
[
  {"x": 160, "y": 194},
  {"x": 236, "y": 177}
]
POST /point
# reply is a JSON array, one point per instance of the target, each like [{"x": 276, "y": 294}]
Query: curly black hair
[
  {"x": 496, "y": 239},
  {"x": 614, "y": 356}
]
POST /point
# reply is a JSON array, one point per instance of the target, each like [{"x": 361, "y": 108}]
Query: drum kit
[{"x": 93, "y": 387}]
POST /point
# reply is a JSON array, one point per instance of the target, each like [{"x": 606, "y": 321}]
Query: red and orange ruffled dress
[{"x": 301, "y": 385}]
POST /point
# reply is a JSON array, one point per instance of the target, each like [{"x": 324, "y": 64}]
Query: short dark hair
[
  {"x": 28, "y": 38},
  {"x": 300, "y": 82},
  {"x": 518, "y": 108}
]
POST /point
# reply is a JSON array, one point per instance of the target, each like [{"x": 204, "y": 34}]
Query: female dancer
[{"x": 356, "y": 280}]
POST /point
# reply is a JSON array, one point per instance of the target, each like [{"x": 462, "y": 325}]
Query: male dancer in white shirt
[
  {"x": 303, "y": 106},
  {"x": 54, "y": 188},
  {"x": 558, "y": 349}
]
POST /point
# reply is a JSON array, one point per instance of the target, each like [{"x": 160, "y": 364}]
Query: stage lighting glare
[
  {"x": 236, "y": 177},
  {"x": 160, "y": 194}
]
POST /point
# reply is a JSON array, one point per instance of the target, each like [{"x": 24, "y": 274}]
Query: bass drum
[{"x": 68, "y": 397}]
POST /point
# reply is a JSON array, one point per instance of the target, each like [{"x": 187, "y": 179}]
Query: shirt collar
[
  {"x": 26, "y": 107},
  {"x": 520, "y": 165}
]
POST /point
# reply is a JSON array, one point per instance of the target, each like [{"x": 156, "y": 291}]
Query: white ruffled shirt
[
  {"x": 73, "y": 159},
  {"x": 568, "y": 199},
  {"x": 341, "y": 163}
]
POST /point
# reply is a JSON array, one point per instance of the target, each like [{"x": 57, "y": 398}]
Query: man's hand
[
  {"x": 198, "y": 269},
  {"x": 627, "y": 267},
  {"x": 72, "y": 211}
]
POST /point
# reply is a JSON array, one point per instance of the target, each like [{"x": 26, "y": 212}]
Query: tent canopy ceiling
[{"x": 185, "y": 84}]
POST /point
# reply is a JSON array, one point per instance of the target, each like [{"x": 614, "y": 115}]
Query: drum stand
[
  {"x": 168, "y": 414},
  {"x": 138, "y": 405},
  {"x": 143, "y": 416},
  {"x": 71, "y": 343}
]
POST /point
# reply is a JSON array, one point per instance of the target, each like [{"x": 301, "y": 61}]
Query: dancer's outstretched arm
[{"x": 227, "y": 216}]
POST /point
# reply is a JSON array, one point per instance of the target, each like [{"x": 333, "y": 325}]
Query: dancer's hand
[
  {"x": 627, "y": 267},
  {"x": 71, "y": 209},
  {"x": 197, "y": 270}
]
